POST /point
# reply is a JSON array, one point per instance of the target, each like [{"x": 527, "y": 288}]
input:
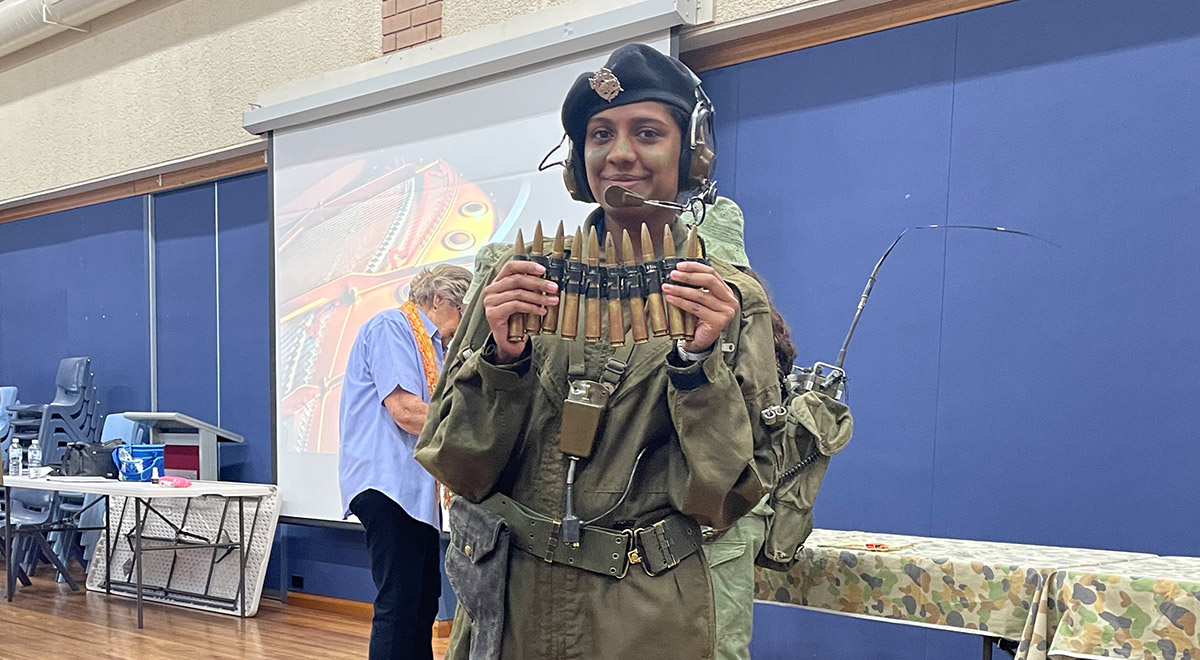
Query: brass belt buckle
[
  {"x": 631, "y": 553},
  {"x": 635, "y": 555}
]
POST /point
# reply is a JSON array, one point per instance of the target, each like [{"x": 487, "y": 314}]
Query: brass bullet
[
  {"x": 574, "y": 275},
  {"x": 533, "y": 322},
  {"x": 693, "y": 251},
  {"x": 554, "y": 273},
  {"x": 612, "y": 281},
  {"x": 654, "y": 279},
  {"x": 516, "y": 322},
  {"x": 591, "y": 311},
  {"x": 633, "y": 285},
  {"x": 674, "y": 314}
]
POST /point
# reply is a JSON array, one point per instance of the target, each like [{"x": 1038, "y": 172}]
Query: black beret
[{"x": 642, "y": 74}]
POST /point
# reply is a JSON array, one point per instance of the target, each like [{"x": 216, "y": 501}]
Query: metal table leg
[
  {"x": 10, "y": 573},
  {"x": 242, "y": 555},
  {"x": 987, "y": 648},
  {"x": 283, "y": 562},
  {"x": 137, "y": 553},
  {"x": 108, "y": 549}
]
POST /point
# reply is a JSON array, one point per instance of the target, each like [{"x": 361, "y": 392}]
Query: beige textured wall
[
  {"x": 168, "y": 84},
  {"x": 731, "y": 10},
  {"x": 460, "y": 16}
]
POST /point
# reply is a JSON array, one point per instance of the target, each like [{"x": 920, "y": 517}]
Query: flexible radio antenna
[{"x": 875, "y": 272}]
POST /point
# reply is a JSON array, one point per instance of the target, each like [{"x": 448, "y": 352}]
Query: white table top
[{"x": 141, "y": 489}]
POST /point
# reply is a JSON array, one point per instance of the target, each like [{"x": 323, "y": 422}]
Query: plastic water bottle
[
  {"x": 125, "y": 460},
  {"x": 14, "y": 459},
  {"x": 35, "y": 458}
]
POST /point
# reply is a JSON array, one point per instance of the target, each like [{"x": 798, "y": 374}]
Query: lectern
[{"x": 173, "y": 428}]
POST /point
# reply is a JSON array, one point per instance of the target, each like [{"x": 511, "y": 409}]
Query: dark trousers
[{"x": 404, "y": 565}]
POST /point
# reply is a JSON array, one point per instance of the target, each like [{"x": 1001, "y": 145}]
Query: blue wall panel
[
  {"x": 843, "y": 147},
  {"x": 333, "y": 562},
  {"x": 186, "y": 292},
  {"x": 1076, "y": 120},
  {"x": 75, "y": 283},
  {"x": 244, "y": 217},
  {"x": 787, "y": 633}
]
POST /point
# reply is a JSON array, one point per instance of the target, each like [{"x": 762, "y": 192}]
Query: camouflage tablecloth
[
  {"x": 1025, "y": 593},
  {"x": 1141, "y": 609}
]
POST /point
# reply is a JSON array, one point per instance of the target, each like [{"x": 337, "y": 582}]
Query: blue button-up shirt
[{"x": 375, "y": 452}]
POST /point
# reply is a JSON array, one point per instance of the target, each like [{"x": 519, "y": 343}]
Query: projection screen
[{"x": 363, "y": 203}]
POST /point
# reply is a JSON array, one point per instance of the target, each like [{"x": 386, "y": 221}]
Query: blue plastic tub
[{"x": 141, "y": 463}]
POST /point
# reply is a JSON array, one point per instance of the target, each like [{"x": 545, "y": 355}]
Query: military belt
[{"x": 656, "y": 548}]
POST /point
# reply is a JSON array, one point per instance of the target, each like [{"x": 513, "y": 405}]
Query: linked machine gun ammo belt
[{"x": 629, "y": 288}]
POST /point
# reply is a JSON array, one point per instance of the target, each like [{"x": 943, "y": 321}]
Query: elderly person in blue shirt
[{"x": 390, "y": 376}]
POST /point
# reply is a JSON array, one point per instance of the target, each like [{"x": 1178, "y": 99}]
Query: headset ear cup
[
  {"x": 703, "y": 162},
  {"x": 574, "y": 180},
  {"x": 584, "y": 191},
  {"x": 568, "y": 175}
]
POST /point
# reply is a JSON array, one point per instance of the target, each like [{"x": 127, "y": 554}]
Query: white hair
[{"x": 442, "y": 281}]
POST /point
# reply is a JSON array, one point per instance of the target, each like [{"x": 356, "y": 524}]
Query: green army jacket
[{"x": 494, "y": 429}]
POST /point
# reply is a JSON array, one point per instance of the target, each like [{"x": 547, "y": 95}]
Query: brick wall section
[{"x": 407, "y": 23}]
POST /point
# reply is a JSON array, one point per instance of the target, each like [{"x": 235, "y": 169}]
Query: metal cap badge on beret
[{"x": 632, "y": 74}]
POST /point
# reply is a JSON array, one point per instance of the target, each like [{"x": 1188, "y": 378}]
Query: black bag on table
[{"x": 90, "y": 459}]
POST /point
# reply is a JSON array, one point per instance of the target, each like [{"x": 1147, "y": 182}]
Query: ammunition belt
[
  {"x": 657, "y": 548},
  {"x": 634, "y": 281}
]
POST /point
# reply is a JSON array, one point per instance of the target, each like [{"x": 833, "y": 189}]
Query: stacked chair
[
  {"x": 30, "y": 507},
  {"x": 8, "y": 397},
  {"x": 84, "y": 510},
  {"x": 71, "y": 417}
]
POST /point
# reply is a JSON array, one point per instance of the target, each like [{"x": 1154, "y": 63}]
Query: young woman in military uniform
[{"x": 680, "y": 442}]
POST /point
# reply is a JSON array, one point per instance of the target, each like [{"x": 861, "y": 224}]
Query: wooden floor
[{"x": 49, "y": 621}]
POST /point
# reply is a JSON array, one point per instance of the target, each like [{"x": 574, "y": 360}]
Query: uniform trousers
[{"x": 405, "y": 563}]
